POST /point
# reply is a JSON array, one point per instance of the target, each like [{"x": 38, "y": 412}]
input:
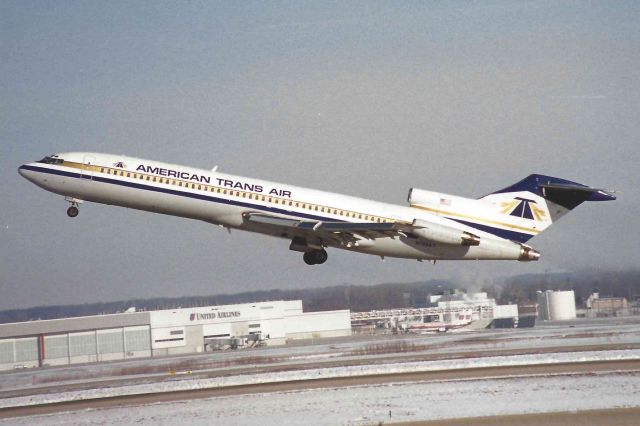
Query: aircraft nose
[{"x": 24, "y": 172}]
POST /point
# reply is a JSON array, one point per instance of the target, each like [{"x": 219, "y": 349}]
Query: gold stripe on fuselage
[{"x": 493, "y": 222}]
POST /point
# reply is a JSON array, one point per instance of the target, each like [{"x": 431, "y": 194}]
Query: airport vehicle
[{"x": 434, "y": 226}]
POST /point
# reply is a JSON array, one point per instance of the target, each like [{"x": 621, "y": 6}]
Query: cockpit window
[{"x": 51, "y": 159}]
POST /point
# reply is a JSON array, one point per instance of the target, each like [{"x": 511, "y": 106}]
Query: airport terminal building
[{"x": 165, "y": 332}]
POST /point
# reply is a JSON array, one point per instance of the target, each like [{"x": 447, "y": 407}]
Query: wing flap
[
  {"x": 265, "y": 219},
  {"x": 341, "y": 233}
]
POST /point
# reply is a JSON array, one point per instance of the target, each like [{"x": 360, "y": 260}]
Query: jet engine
[
  {"x": 444, "y": 234},
  {"x": 429, "y": 198}
]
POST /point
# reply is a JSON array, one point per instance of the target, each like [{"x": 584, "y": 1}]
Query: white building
[
  {"x": 446, "y": 312},
  {"x": 167, "y": 332},
  {"x": 556, "y": 305},
  {"x": 484, "y": 307}
]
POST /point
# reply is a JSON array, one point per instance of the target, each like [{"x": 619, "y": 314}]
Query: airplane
[{"x": 433, "y": 226}]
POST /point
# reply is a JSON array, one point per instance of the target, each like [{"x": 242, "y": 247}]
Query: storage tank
[{"x": 557, "y": 305}]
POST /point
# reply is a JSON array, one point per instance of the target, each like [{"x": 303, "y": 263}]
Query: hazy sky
[{"x": 366, "y": 99}]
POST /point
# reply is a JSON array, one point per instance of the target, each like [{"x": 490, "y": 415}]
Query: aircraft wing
[
  {"x": 358, "y": 233},
  {"x": 341, "y": 233}
]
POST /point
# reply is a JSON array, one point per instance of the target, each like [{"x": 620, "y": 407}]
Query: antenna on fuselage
[{"x": 215, "y": 168}]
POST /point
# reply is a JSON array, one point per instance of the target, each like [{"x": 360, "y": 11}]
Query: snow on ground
[
  {"x": 323, "y": 373},
  {"x": 359, "y": 405}
]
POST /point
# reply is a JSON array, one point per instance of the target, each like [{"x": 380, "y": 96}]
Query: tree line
[{"x": 521, "y": 289}]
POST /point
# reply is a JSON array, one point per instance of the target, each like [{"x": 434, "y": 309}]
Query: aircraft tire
[
  {"x": 72, "y": 211},
  {"x": 309, "y": 258},
  {"x": 321, "y": 257},
  {"x": 315, "y": 257}
]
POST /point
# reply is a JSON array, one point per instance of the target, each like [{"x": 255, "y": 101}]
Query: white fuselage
[{"x": 225, "y": 200}]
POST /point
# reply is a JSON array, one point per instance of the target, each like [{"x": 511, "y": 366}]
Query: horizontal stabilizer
[{"x": 571, "y": 195}]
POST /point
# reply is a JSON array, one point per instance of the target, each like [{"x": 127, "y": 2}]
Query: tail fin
[{"x": 537, "y": 201}]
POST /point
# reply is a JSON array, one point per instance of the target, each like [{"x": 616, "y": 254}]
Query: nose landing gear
[
  {"x": 315, "y": 257},
  {"x": 73, "y": 210}
]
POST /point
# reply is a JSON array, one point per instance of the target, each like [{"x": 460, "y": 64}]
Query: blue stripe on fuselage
[
  {"x": 178, "y": 193},
  {"x": 503, "y": 233},
  {"x": 520, "y": 237}
]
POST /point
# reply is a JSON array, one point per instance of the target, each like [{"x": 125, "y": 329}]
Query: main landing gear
[{"x": 315, "y": 257}]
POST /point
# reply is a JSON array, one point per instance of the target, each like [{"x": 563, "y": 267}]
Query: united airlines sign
[{"x": 214, "y": 315}]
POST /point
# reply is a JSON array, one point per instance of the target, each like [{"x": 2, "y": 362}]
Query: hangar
[{"x": 164, "y": 332}]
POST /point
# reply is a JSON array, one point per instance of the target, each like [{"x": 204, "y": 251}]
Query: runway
[
  {"x": 615, "y": 417},
  {"x": 599, "y": 369}
]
